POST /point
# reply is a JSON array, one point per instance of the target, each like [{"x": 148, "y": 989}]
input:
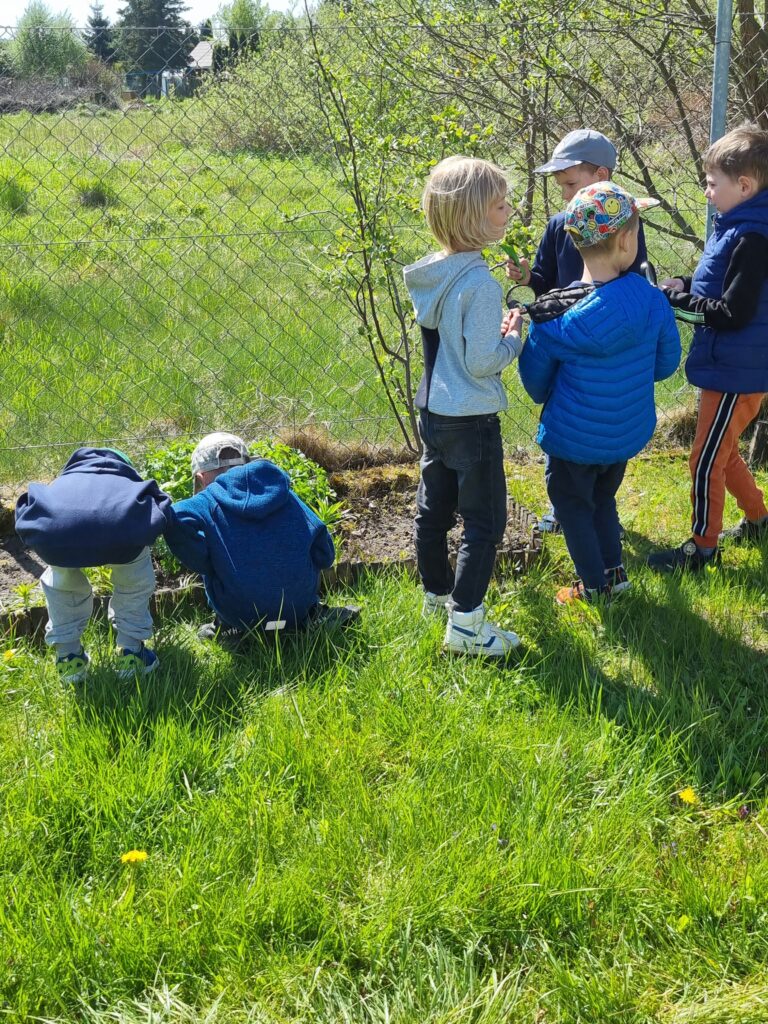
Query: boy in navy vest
[
  {"x": 99, "y": 511},
  {"x": 727, "y": 300},
  {"x": 257, "y": 546},
  {"x": 582, "y": 158}
]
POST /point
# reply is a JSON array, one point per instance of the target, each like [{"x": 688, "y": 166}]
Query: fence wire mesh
[{"x": 201, "y": 234}]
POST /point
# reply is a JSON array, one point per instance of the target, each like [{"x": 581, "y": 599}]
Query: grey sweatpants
[{"x": 69, "y": 597}]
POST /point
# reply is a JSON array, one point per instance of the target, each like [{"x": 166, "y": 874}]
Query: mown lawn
[{"x": 356, "y": 829}]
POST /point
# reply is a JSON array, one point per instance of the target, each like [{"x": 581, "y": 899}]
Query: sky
[{"x": 12, "y": 10}]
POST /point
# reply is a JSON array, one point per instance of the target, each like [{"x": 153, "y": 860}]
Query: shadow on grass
[
  {"x": 657, "y": 667},
  {"x": 203, "y": 684}
]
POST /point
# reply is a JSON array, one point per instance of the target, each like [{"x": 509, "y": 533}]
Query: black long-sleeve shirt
[{"x": 747, "y": 269}]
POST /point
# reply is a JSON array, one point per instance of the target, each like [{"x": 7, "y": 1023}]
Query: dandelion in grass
[
  {"x": 9, "y": 655},
  {"x": 134, "y": 856},
  {"x": 688, "y": 796}
]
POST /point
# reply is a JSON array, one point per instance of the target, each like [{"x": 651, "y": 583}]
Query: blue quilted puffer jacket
[{"x": 594, "y": 368}]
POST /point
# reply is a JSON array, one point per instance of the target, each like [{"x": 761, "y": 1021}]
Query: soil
[
  {"x": 380, "y": 529},
  {"x": 376, "y": 531}
]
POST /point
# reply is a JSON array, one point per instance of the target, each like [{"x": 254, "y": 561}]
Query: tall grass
[{"x": 350, "y": 828}]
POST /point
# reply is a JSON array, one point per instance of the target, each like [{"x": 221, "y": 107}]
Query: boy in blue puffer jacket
[
  {"x": 97, "y": 512},
  {"x": 727, "y": 300},
  {"x": 257, "y": 546},
  {"x": 593, "y": 353}
]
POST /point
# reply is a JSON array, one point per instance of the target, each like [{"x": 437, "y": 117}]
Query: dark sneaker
[
  {"x": 617, "y": 580},
  {"x": 686, "y": 558},
  {"x": 324, "y": 616},
  {"x": 577, "y": 593},
  {"x": 136, "y": 663},
  {"x": 227, "y": 636},
  {"x": 746, "y": 531},
  {"x": 548, "y": 523},
  {"x": 73, "y": 667}
]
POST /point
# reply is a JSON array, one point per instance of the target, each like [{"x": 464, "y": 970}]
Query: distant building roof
[{"x": 201, "y": 57}]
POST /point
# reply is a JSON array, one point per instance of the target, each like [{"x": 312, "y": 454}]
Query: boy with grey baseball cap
[{"x": 584, "y": 146}]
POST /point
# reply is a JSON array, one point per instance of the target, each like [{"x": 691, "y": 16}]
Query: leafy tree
[
  {"x": 243, "y": 21},
  {"x": 205, "y": 29},
  {"x": 98, "y": 34},
  {"x": 46, "y": 44},
  {"x": 7, "y": 69},
  {"x": 152, "y": 35}
]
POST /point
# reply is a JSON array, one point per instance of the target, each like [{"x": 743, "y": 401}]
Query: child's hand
[
  {"x": 673, "y": 283},
  {"x": 521, "y": 274},
  {"x": 512, "y": 322}
]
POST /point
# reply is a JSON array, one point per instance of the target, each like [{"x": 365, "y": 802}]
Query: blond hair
[
  {"x": 743, "y": 151},
  {"x": 456, "y": 199}
]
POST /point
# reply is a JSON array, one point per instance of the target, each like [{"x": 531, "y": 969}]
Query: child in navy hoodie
[
  {"x": 98, "y": 512},
  {"x": 727, "y": 300},
  {"x": 257, "y": 546}
]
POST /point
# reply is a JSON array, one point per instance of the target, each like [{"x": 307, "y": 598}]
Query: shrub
[{"x": 170, "y": 466}]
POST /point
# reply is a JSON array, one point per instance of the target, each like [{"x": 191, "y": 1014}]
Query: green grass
[
  {"x": 154, "y": 288},
  {"x": 355, "y": 829}
]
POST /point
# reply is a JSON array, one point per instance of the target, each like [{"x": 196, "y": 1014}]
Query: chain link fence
[{"x": 209, "y": 234}]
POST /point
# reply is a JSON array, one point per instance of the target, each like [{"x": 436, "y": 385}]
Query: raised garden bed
[{"x": 375, "y": 535}]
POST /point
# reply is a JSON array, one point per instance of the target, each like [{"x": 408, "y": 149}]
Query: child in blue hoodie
[
  {"x": 257, "y": 546},
  {"x": 592, "y": 356},
  {"x": 458, "y": 307},
  {"x": 98, "y": 512}
]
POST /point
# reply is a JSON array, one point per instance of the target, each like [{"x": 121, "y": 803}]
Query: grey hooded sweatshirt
[{"x": 455, "y": 295}]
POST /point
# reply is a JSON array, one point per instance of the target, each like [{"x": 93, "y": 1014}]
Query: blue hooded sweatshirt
[
  {"x": 258, "y": 547},
  {"x": 99, "y": 511},
  {"x": 594, "y": 368}
]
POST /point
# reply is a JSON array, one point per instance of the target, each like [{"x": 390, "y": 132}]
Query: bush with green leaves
[{"x": 171, "y": 467}]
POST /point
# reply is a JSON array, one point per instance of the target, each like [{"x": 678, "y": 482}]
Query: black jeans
[
  {"x": 462, "y": 470},
  {"x": 584, "y": 500}
]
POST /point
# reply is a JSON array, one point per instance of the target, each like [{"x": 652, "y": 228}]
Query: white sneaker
[
  {"x": 435, "y": 604},
  {"x": 471, "y": 633}
]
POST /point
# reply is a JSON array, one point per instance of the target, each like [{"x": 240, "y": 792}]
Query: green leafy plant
[
  {"x": 170, "y": 467},
  {"x": 28, "y": 594},
  {"x": 518, "y": 242}
]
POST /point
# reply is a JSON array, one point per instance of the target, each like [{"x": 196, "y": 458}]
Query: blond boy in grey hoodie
[{"x": 458, "y": 306}]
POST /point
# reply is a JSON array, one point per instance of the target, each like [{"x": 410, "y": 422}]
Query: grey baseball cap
[
  {"x": 580, "y": 147},
  {"x": 207, "y": 455}
]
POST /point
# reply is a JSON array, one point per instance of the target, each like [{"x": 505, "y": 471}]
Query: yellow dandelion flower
[
  {"x": 687, "y": 796},
  {"x": 134, "y": 856},
  {"x": 10, "y": 654}
]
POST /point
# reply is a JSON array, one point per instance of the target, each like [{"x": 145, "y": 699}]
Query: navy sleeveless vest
[{"x": 734, "y": 361}]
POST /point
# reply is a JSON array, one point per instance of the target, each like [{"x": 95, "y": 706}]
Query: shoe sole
[
  {"x": 74, "y": 677},
  {"x": 129, "y": 673},
  {"x": 620, "y": 588},
  {"x": 480, "y": 652}
]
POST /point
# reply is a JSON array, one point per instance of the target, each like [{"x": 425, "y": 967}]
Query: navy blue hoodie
[
  {"x": 99, "y": 511},
  {"x": 258, "y": 547}
]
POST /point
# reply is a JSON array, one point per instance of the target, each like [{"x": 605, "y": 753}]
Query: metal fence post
[{"x": 722, "y": 59}]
